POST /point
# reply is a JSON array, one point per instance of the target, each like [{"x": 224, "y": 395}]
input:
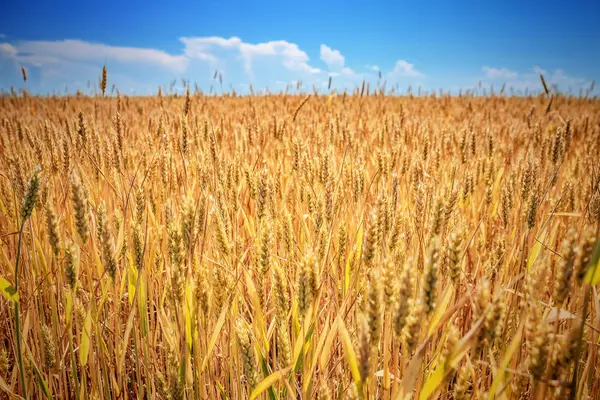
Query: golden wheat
[{"x": 281, "y": 246}]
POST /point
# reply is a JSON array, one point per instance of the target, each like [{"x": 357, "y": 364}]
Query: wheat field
[{"x": 354, "y": 245}]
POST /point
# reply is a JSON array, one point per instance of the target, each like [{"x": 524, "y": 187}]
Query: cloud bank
[
  {"x": 529, "y": 80},
  {"x": 55, "y": 66}
]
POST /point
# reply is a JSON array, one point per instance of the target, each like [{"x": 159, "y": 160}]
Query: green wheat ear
[
  {"x": 27, "y": 206},
  {"x": 31, "y": 194}
]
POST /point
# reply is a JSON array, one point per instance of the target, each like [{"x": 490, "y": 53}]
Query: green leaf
[
  {"x": 298, "y": 353},
  {"x": 358, "y": 250},
  {"x": 8, "y": 290},
  {"x": 440, "y": 309},
  {"x": 268, "y": 382},
  {"x": 222, "y": 390},
  {"x": 69, "y": 307},
  {"x": 215, "y": 335},
  {"x": 142, "y": 300},
  {"x": 433, "y": 381},
  {"x": 535, "y": 250},
  {"x": 84, "y": 347},
  {"x": 38, "y": 374},
  {"x": 350, "y": 354},
  {"x": 593, "y": 274},
  {"x": 132, "y": 276},
  {"x": 500, "y": 377},
  {"x": 325, "y": 354},
  {"x": 188, "y": 315}
]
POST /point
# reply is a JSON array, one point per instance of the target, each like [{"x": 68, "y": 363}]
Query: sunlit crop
[{"x": 299, "y": 246}]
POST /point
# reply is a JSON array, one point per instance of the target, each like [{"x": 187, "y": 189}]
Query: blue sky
[{"x": 431, "y": 44}]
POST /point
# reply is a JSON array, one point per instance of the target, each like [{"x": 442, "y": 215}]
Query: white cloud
[
  {"x": 499, "y": 73},
  {"x": 286, "y": 53},
  {"x": 294, "y": 58},
  {"x": 530, "y": 80},
  {"x": 75, "y": 64},
  {"x": 56, "y": 64},
  {"x": 333, "y": 58},
  {"x": 564, "y": 81},
  {"x": 200, "y": 47},
  {"x": 8, "y": 50},
  {"x": 405, "y": 69},
  {"x": 45, "y": 53},
  {"x": 539, "y": 70},
  {"x": 347, "y": 71},
  {"x": 70, "y": 62}
]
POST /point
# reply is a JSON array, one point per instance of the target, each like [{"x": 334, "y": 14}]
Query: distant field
[{"x": 289, "y": 247}]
